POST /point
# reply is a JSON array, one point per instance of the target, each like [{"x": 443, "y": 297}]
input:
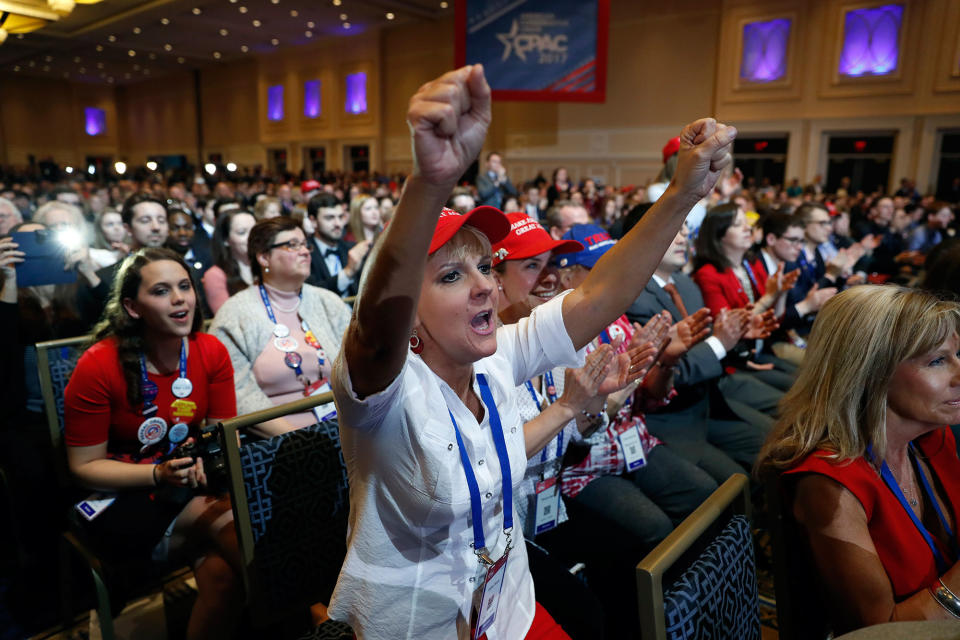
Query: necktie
[{"x": 671, "y": 289}]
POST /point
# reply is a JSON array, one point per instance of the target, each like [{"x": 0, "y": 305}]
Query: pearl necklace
[{"x": 295, "y": 306}]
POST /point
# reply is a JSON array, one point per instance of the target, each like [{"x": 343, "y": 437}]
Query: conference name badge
[
  {"x": 632, "y": 448},
  {"x": 547, "y": 504},
  {"x": 492, "y": 585}
]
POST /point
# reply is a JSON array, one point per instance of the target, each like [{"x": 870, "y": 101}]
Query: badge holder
[
  {"x": 94, "y": 505},
  {"x": 547, "y": 504},
  {"x": 632, "y": 448}
]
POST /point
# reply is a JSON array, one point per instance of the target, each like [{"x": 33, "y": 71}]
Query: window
[
  {"x": 311, "y": 99},
  {"x": 356, "y": 101},
  {"x": 95, "y": 121},
  {"x": 765, "y": 50},
  {"x": 871, "y": 41},
  {"x": 275, "y": 103}
]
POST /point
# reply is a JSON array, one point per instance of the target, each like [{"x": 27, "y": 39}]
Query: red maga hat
[
  {"x": 528, "y": 238},
  {"x": 672, "y": 146},
  {"x": 489, "y": 221}
]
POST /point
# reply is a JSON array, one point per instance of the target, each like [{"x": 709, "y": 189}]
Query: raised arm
[
  {"x": 448, "y": 121},
  {"x": 622, "y": 273}
]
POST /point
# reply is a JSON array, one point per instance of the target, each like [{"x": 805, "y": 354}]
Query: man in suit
[
  {"x": 334, "y": 263},
  {"x": 708, "y": 421},
  {"x": 493, "y": 185}
]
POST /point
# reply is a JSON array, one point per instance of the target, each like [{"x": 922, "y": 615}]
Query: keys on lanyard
[{"x": 495, "y": 570}]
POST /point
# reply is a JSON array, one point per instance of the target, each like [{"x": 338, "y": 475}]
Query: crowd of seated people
[{"x": 593, "y": 363}]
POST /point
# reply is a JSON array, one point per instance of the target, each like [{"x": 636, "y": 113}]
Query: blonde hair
[
  {"x": 465, "y": 242},
  {"x": 839, "y": 400},
  {"x": 356, "y": 222},
  {"x": 76, "y": 215},
  {"x": 260, "y": 209}
]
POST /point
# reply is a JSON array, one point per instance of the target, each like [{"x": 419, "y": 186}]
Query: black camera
[{"x": 208, "y": 447}]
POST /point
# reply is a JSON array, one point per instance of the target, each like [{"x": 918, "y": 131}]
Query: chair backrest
[
  {"x": 291, "y": 503},
  {"x": 715, "y": 595},
  {"x": 56, "y": 360},
  {"x": 801, "y": 606}
]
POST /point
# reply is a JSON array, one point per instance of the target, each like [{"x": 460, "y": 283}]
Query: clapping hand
[
  {"x": 583, "y": 384},
  {"x": 761, "y": 325},
  {"x": 686, "y": 333},
  {"x": 448, "y": 118}
]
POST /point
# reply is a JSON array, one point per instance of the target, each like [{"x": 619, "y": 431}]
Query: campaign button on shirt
[{"x": 152, "y": 430}]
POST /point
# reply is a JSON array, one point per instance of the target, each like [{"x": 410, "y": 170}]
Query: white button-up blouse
[{"x": 410, "y": 571}]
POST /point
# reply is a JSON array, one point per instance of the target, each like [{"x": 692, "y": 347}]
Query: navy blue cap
[{"x": 595, "y": 240}]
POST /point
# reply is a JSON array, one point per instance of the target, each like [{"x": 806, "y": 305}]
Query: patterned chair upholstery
[
  {"x": 700, "y": 583},
  {"x": 56, "y": 361},
  {"x": 297, "y": 499},
  {"x": 717, "y": 596}
]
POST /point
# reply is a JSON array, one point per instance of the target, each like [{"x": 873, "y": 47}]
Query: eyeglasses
[
  {"x": 292, "y": 246},
  {"x": 794, "y": 241}
]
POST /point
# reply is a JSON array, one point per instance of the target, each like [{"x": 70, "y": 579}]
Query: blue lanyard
[
  {"x": 548, "y": 377},
  {"x": 476, "y": 508},
  {"x": 753, "y": 278},
  {"x": 808, "y": 269},
  {"x": 149, "y": 389},
  {"x": 303, "y": 322},
  {"x": 894, "y": 487}
]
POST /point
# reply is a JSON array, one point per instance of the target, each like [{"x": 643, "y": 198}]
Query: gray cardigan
[{"x": 243, "y": 327}]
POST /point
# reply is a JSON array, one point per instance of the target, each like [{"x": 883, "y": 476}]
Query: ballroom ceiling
[{"x": 125, "y": 41}]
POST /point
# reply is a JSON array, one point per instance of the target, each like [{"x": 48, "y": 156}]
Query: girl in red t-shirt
[{"x": 149, "y": 384}]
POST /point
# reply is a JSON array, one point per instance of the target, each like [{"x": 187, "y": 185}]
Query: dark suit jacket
[
  {"x": 320, "y": 276},
  {"x": 698, "y": 365},
  {"x": 491, "y": 194}
]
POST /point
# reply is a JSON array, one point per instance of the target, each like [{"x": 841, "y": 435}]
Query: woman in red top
[
  {"x": 147, "y": 385},
  {"x": 727, "y": 276},
  {"x": 874, "y": 474}
]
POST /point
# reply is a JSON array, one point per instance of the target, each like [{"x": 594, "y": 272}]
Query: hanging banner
[{"x": 550, "y": 50}]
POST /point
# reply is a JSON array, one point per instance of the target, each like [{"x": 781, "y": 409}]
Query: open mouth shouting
[
  {"x": 181, "y": 317},
  {"x": 482, "y": 323}
]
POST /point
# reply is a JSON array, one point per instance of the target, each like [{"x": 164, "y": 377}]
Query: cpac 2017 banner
[{"x": 537, "y": 49}]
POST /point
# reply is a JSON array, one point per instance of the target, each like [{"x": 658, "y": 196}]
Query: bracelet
[
  {"x": 155, "y": 483},
  {"x": 595, "y": 416},
  {"x": 946, "y": 599}
]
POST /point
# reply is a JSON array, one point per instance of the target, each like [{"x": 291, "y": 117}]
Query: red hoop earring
[{"x": 416, "y": 344}]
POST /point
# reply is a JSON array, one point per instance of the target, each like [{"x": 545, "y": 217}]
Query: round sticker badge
[
  {"x": 178, "y": 433},
  {"x": 152, "y": 430},
  {"x": 281, "y": 330},
  {"x": 150, "y": 391},
  {"x": 286, "y": 344},
  {"x": 292, "y": 360},
  {"x": 182, "y": 387}
]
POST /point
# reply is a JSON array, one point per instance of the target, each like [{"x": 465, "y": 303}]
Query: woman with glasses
[{"x": 281, "y": 333}]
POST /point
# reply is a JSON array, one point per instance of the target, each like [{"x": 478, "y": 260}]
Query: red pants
[{"x": 543, "y": 627}]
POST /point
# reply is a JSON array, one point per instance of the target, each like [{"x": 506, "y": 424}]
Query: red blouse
[
  {"x": 908, "y": 561},
  {"x": 722, "y": 289},
  {"x": 96, "y": 408}
]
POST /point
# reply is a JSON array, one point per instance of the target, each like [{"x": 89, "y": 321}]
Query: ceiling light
[
  {"x": 136, "y": 67},
  {"x": 137, "y": 30},
  {"x": 120, "y": 167},
  {"x": 99, "y": 65},
  {"x": 210, "y": 168},
  {"x": 82, "y": 69},
  {"x": 99, "y": 47},
  {"x": 76, "y": 58},
  {"x": 242, "y": 9},
  {"x": 16, "y": 68},
  {"x": 275, "y": 1},
  {"x": 346, "y": 25},
  {"x": 197, "y": 11},
  {"x": 48, "y": 58},
  {"x": 231, "y": 166},
  {"x": 164, "y": 21},
  {"x": 274, "y": 41},
  {"x": 91, "y": 169},
  {"x": 256, "y": 23},
  {"x": 224, "y": 32},
  {"x": 111, "y": 38},
  {"x": 343, "y": 16},
  {"x": 33, "y": 64},
  {"x": 444, "y": 5},
  {"x": 216, "y": 55},
  {"x": 390, "y": 16},
  {"x": 127, "y": 75},
  {"x": 244, "y": 48},
  {"x": 68, "y": 169},
  {"x": 131, "y": 53},
  {"x": 19, "y": 36},
  {"x": 294, "y": 13},
  {"x": 110, "y": 79},
  {"x": 152, "y": 165},
  {"x": 309, "y": 34},
  {"x": 152, "y": 56},
  {"x": 168, "y": 47},
  {"x": 336, "y": 3},
  {"x": 181, "y": 60}
]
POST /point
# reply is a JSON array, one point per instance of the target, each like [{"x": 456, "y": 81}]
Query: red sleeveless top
[{"x": 908, "y": 561}]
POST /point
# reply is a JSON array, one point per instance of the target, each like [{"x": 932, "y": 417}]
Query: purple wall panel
[
  {"x": 871, "y": 41},
  {"x": 95, "y": 121},
  {"x": 311, "y": 99},
  {"x": 275, "y": 103},
  {"x": 356, "y": 101},
  {"x": 765, "y": 50}
]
